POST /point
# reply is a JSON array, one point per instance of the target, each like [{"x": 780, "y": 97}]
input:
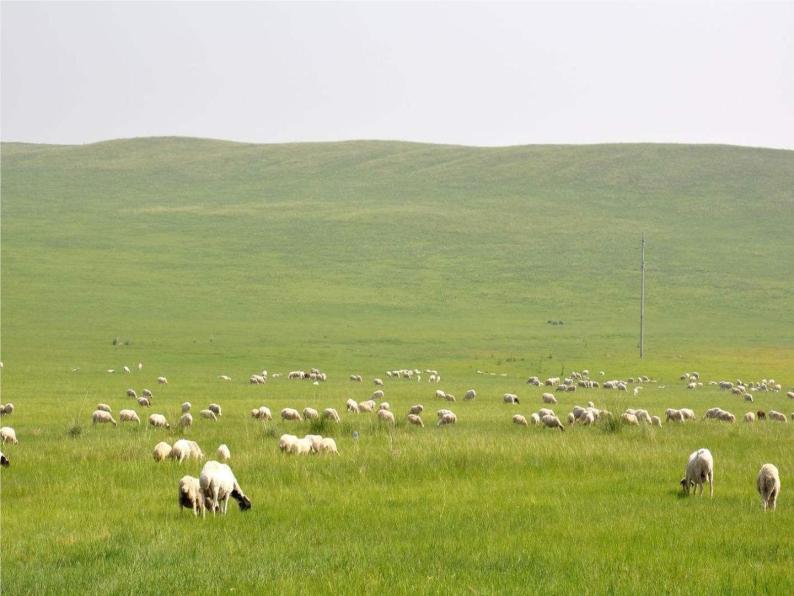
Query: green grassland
[{"x": 200, "y": 258}]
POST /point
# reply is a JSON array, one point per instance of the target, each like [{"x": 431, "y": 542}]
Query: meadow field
[{"x": 200, "y": 258}]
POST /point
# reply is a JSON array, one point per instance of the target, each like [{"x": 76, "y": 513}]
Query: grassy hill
[{"x": 377, "y": 252}]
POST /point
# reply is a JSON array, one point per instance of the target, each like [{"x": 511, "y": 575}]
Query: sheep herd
[{"x": 217, "y": 483}]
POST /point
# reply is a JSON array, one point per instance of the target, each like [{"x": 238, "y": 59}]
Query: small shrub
[
  {"x": 611, "y": 425},
  {"x": 75, "y": 431}
]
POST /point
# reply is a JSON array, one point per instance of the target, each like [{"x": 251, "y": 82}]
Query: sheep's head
[
  {"x": 4, "y": 461},
  {"x": 685, "y": 485},
  {"x": 243, "y": 501}
]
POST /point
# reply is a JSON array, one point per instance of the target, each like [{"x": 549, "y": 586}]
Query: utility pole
[{"x": 642, "y": 298}]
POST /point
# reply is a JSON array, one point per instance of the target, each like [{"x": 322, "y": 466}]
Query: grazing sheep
[
  {"x": 291, "y": 414},
  {"x": 470, "y": 394},
  {"x": 761, "y": 415},
  {"x": 417, "y": 409},
  {"x": 656, "y": 421},
  {"x": 520, "y": 420},
  {"x": 158, "y": 421},
  {"x": 216, "y": 409},
  {"x": 184, "y": 449},
  {"x": 748, "y": 397},
  {"x": 104, "y": 408},
  {"x": 548, "y": 398},
  {"x": 550, "y": 421},
  {"x": 449, "y": 397},
  {"x": 131, "y": 393},
  {"x": 302, "y": 446},
  {"x": 161, "y": 451},
  {"x": 4, "y": 460},
  {"x": 310, "y": 414},
  {"x": 224, "y": 377},
  {"x": 687, "y": 414},
  {"x": 776, "y": 416},
  {"x": 377, "y": 394},
  {"x": 331, "y": 414},
  {"x": 129, "y": 416},
  {"x": 672, "y": 415},
  {"x": 146, "y": 393},
  {"x": 223, "y": 453},
  {"x": 378, "y": 382},
  {"x": 386, "y": 416},
  {"x": 385, "y": 406},
  {"x": 351, "y": 406},
  {"x": 186, "y": 420},
  {"x": 535, "y": 419},
  {"x": 790, "y": 394},
  {"x": 218, "y": 484},
  {"x": 571, "y": 418},
  {"x": 749, "y": 417},
  {"x": 643, "y": 416},
  {"x": 587, "y": 419},
  {"x": 7, "y": 409},
  {"x": 356, "y": 378},
  {"x": 440, "y": 394},
  {"x": 629, "y": 419},
  {"x": 144, "y": 402},
  {"x": 727, "y": 417},
  {"x": 285, "y": 442},
  {"x": 447, "y": 418},
  {"x": 415, "y": 420},
  {"x": 546, "y": 412},
  {"x": 510, "y": 398},
  {"x": 262, "y": 413},
  {"x": 366, "y": 406},
  {"x": 699, "y": 469},
  {"x": 208, "y": 415},
  {"x": 768, "y": 483},
  {"x": 327, "y": 445},
  {"x": 8, "y": 435},
  {"x": 190, "y": 495},
  {"x": 186, "y": 407},
  {"x": 102, "y": 417},
  {"x": 162, "y": 380}
]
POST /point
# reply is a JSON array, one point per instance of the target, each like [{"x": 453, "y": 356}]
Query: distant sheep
[
  {"x": 291, "y": 414},
  {"x": 535, "y": 419},
  {"x": 470, "y": 394},
  {"x": 749, "y": 417},
  {"x": 158, "y": 421},
  {"x": 327, "y": 445},
  {"x": 4, "y": 461},
  {"x": 447, "y": 418},
  {"x": 129, "y": 416},
  {"x": 699, "y": 470},
  {"x": 548, "y": 398},
  {"x": 656, "y": 421},
  {"x": 310, "y": 414},
  {"x": 190, "y": 496},
  {"x": 673, "y": 415},
  {"x": 520, "y": 420},
  {"x": 510, "y": 398},
  {"x": 351, "y": 406},
  {"x": 184, "y": 449},
  {"x": 131, "y": 393},
  {"x": 162, "y": 380},
  {"x": 216, "y": 409},
  {"x": 384, "y": 406},
  {"x": 378, "y": 381},
  {"x": 223, "y": 453},
  {"x": 629, "y": 419},
  {"x": 7, "y": 409},
  {"x": 186, "y": 407},
  {"x": 386, "y": 416},
  {"x": 262, "y": 413},
  {"x": 776, "y": 416},
  {"x": 186, "y": 420},
  {"x": 8, "y": 435},
  {"x": 440, "y": 394},
  {"x": 356, "y": 378},
  {"x": 285, "y": 442},
  {"x": 331, "y": 414},
  {"x": 551, "y": 421},
  {"x": 377, "y": 394},
  {"x": 161, "y": 451},
  {"x": 208, "y": 415},
  {"x": 366, "y": 406},
  {"x": 104, "y": 408},
  {"x": 102, "y": 417},
  {"x": 768, "y": 483},
  {"x": 146, "y": 393},
  {"x": 144, "y": 402},
  {"x": 415, "y": 420}
]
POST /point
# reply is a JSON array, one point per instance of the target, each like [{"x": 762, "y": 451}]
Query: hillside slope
[{"x": 390, "y": 252}]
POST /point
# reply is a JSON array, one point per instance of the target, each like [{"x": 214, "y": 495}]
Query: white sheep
[
  {"x": 162, "y": 380},
  {"x": 470, "y": 394},
  {"x": 146, "y": 393},
  {"x": 384, "y": 406},
  {"x": 208, "y": 415},
  {"x": 223, "y": 453},
  {"x": 129, "y": 416},
  {"x": 104, "y": 408},
  {"x": 630, "y": 419},
  {"x": 186, "y": 407},
  {"x": 7, "y": 409},
  {"x": 776, "y": 416},
  {"x": 190, "y": 496},
  {"x": 161, "y": 451},
  {"x": 285, "y": 442},
  {"x": 131, "y": 393},
  {"x": 768, "y": 483},
  {"x": 377, "y": 394},
  {"x": 224, "y": 377},
  {"x": 440, "y": 394},
  {"x": 535, "y": 419},
  {"x": 327, "y": 445},
  {"x": 510, "y": 398},
  {"x": 520, "y": 420},
  {"x": 315, "y": 442},
  {"x": 749, "y": 417},
  {"x": 291, "y": 414},
  {"x": 366, "y": 406},
  {"x": 552, "y": 421},
  {"x": 378, "y": 381},
  {"x": 449, "y": 397},
  {"x": 546, "y": 412},
  {"x": 302, "y": 446},
  {"x": 447, "y": 418},
  {"x": 699, "y": 469},
  {"x": 351, "y": 406},
  {"x": 218, "y": 483},
  {"x": 673, "y": 415},
  {"x": 216, "y": 409},
  {"x": 331, "y": 414},
  {"x": 656, "y": 421},
  {"x": 416, "y": 409},
  {"x": 310, "y": 413},
  {"x": 144, "y": 402},
  {"x": 386, "y": 416},
  {"x": 8, "y": 435},
  {"x": 184, "y": 449},
  {"x": 687, "y": 414},
  {"x": 158, "y": 421},
  {"x": 186, "y": 420},
  {"x": 415, "y": 419},
  {"x": 102, "y": 417}
]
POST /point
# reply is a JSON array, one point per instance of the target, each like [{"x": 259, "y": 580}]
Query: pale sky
[{"x": 464, "y": 73}]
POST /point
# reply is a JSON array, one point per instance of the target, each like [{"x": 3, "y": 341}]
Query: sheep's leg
[{"x": 711, "y": 485}]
